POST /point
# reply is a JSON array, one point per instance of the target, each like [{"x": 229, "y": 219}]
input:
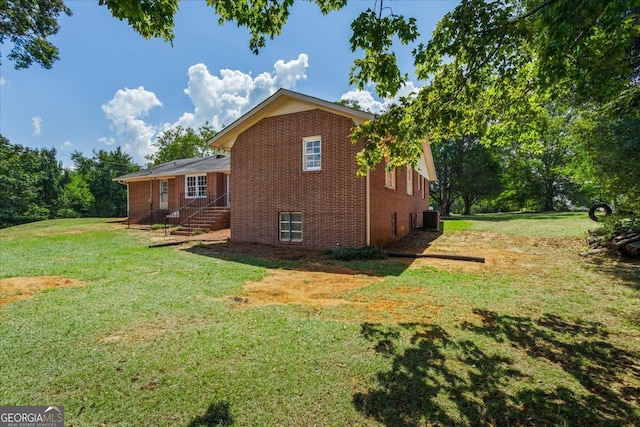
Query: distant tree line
[
  {"x": 572, "y": 157},
  {"x": 35, "y": 186}
]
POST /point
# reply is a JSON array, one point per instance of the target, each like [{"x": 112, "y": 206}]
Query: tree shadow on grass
[
  {"x": 218, "y": 415},
  {"x": 291, "y": 258},
  {"x": 627, "y": 271},
  {"x": 437, "y": 379}
]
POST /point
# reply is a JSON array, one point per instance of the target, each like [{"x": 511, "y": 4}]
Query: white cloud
[
  {"x": 217, "y": 99},
  {"x": 288, "y": 73},
  {"x": 66, "y": 146},
  {"x": 107, "y": 141},
  {"x": 36, "y": 122},
  {"x": 365, "y": 101},
  {"x": 3, "y": 81},
  {"x": 221, "y": 100},
  {"x": 368, "y": 102},
  {"x": 125, "y": 111}
]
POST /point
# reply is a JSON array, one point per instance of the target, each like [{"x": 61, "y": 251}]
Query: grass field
[{"x": 121, "y": 334}]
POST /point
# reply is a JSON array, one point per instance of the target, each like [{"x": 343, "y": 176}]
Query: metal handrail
[
  {"x": 146, "y": 217},
  {"x": 188, "y": 220}
]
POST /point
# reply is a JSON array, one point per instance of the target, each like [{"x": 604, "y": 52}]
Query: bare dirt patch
[
  {"x": 158, "y": 236},
  {"x": 320, "y": 291},
  {"x": 15, "y": 288},
  {"x": 315, "y": 289},
  {"x": 143, "y": 331},
  {"x": 318, "y": 286},
  {"x": 503, "y": 254},
  {"x": 316, "y": 283}
]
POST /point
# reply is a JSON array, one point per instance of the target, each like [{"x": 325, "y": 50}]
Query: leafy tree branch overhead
[
  {"x": 27, "y": 25},
  {"x": 489, "y": 63}
]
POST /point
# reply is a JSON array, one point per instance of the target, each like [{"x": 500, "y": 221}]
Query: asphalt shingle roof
[{"x": 219, "y": 163}]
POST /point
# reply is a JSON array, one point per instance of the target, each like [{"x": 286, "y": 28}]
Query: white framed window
[
  {"x": 312, "y": 153},
  {"x": 196, "y": 186},
  {"x": 290, "y": 226},
  {"x": 389, "y": 176},
  {"x": 409, "y": 180}
]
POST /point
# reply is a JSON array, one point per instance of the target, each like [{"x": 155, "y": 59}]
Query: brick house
[
  {"x": 294, "y": 182},
  {"x": 180, "y": 190}
]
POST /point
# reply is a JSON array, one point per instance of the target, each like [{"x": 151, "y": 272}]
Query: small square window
[
  {"x": 312, "y": 153},
  {"x": 290, "y": 227}
]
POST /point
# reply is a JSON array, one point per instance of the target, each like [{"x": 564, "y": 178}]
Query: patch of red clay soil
[
  {"x": 313, "y": 288},
  {"x": 15, "y": 288},
  {"x": 316, "y": 291},
  {"x": 317, "y": 285}
]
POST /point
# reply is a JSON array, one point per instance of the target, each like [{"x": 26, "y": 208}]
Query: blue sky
[{"x": 113, "y": 88}]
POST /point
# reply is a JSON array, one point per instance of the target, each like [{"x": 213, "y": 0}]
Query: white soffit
[{"x": 425, "y": 166}]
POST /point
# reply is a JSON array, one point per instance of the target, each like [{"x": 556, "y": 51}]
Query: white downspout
[{"x": 368, "y": 210}]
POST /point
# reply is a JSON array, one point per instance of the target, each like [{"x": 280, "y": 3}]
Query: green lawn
[{"x": 151, "y": 339}]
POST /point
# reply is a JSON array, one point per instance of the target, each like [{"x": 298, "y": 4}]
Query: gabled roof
[
  {"x": 283, "y": 102},
  {"x": 286, "y": 102},
  {"x": 219, "y": 163}
]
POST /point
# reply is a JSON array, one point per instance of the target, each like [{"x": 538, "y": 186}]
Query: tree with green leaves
[
  {"x": 466, "y": 170},
  {"x": 607, "y": 157},
  {"x": 537, "y": 173},
  {"x": 478, "y": 174},
  {"x": 76, "y": 198},
  {"x": 109, "y": 197},
  {"x": 30, "y": 183},
  {"x": 486, "y": 59},
  {"x": 442, "y": 191},
  {"x": 180, "y": 143},
  {"x": 27, "y": 25}
]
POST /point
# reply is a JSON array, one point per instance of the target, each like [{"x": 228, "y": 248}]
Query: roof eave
[
  {"x": 226, "y": 138},
  {"x": 143, "y": 178}
]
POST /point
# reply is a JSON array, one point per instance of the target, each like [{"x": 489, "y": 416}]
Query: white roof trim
[
  {"x": 425, "y": 166},
  {"x": 283, "y": 102}
]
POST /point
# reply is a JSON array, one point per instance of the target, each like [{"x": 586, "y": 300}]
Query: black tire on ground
[{"x": 599, "y": 207}]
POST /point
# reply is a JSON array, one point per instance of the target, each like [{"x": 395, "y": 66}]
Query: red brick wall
[
  {"x": 139, "y": 196},
  {"x": 267, "y": 178},
  {"x": 385, "y": 202},
  {"x": 174, "y": 193},
  {"x": 139, "y": 192}
]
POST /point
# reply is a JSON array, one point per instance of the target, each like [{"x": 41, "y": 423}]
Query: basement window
[{"x": 290, "y": 226}]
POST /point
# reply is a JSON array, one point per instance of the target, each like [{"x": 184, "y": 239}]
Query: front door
[{"x": 164, "y": 195}]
